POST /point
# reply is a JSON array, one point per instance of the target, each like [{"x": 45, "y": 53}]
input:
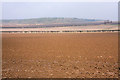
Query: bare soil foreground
[{"x": 60, "y": 55}]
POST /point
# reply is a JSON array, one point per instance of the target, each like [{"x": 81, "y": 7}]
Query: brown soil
[{"x": 60, "y": 55}]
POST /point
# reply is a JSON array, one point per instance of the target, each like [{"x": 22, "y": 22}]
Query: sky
[
  {"x": 59, "y": 0},
  {"x": 85, "y": 10}
]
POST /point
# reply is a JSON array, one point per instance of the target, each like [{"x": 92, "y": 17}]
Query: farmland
[
  {"x": 60, "y": 55},
  {"x": 59, "y": 48}
]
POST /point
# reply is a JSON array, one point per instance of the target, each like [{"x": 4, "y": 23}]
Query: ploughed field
[{"x": 60, "y": 55}]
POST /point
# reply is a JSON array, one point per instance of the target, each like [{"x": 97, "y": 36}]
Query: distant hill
[
  {"x": 47, "y": 21},
  {"x": 51, "y": 22}
]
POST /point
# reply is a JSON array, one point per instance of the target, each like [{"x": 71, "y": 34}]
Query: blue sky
[{"x": 85, "y": 10}]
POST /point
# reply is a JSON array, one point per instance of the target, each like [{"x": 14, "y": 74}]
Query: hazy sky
[{"x": 86, "y": 10}]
